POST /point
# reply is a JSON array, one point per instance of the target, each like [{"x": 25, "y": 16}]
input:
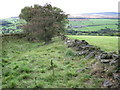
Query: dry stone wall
[{"x": 83, "y": 48}]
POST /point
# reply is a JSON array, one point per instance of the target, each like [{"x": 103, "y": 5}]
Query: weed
[
  {"x": 71, "y": 74},
  {"x": 12, "y": 84},
  {"x": 24, "y": 69},
  {"x": 67, "y": 62},
  {"x": 73, "y": 84},
  {"x": 24, "y": 76},
  {"x": 70, "y": 52},
  {"x": 52, "y": 66},
  {"x": 42, "y": 71}
]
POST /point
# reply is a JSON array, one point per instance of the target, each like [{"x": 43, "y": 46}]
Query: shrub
[{"x": 43, "y": 22}]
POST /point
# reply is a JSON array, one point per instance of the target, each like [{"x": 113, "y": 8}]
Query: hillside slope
[{"x": 28, "y": 65}]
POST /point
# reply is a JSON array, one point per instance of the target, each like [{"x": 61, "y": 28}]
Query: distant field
[
  {"x": 106, "y": 43},
  {"x": 11, "y": 25},
  {"x": 104, "y": 23},
  {"x": 96, "y": 28}
]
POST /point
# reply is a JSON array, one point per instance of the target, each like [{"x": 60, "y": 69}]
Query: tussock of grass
[{"x": 31, "y": 66}]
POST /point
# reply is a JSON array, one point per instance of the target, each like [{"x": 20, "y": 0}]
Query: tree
[{"x": 43, "y": 22}]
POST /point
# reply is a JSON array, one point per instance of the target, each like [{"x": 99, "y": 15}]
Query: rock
[
  {"x": 66, "y": 39},
  {"x": 78, "y": 48},
  {"x": 117, "y": 77},
  {"x": 84, "y": 42},
  {"x": 69, "y": 43},
  {"x": 91, "y": 54},
  {"x": 83, "y": 53},
  {"x": 105, "y": 57},
  {"x": 79, "y": 70},
  {"x": 76, "y": 40},
  {"x": 86, "y": 47},
  {"x": 78, "y": 43},
  {"x": 97, "y": 67},
  {"x": 107, "y": 83},
  {"x": 98, "y": 54},
  {"x": 114, "y": 56},
  {"x": 113, "y": 62},
  {"x": 104, "y": 60}
]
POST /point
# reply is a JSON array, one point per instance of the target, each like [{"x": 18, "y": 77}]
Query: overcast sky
[{"x": 10, "y": 8}]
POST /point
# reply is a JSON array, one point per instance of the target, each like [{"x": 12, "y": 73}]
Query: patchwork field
[
  {"x": 106, "y": 43},
  {"x": 109, "y": 26}
]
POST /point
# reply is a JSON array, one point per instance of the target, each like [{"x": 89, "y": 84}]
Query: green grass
[
  {"x": 106, "y": 43},
  {"x": 27, "y": 64},
  {"x": 104, "y": 21}
]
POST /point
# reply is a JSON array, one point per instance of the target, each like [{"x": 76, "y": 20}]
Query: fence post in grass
[{"x": 52, "y": 66}]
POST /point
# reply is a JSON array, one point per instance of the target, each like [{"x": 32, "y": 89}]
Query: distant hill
[
  {"x": 97, "y": 15},
  {"x": 102, "y": 13},
  {"x": 15, "y": 17}
]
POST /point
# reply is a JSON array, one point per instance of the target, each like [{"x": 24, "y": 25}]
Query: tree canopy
[{"x": 43, "y": 22}]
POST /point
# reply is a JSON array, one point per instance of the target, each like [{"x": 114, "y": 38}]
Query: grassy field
[
  {"x": 28, "y": 65},
  {"x": 111, "y": 23},
  {"x": 106, "y": 43}
]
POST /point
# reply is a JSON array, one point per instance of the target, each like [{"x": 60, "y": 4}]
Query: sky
[{"x": 12, "y": 8}]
